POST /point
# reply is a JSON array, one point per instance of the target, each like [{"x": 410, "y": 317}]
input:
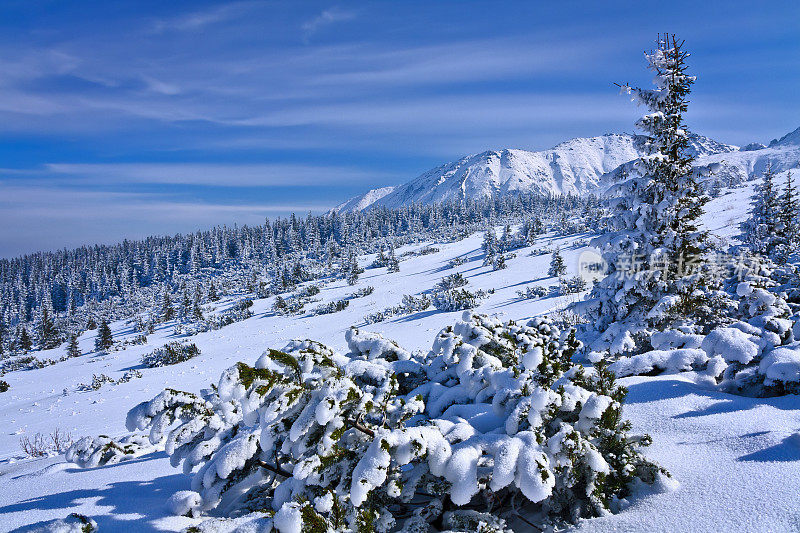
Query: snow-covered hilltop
[{"x": 576, "y": 166}]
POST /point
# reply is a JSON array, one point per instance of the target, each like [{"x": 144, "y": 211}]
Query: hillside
[{"x": 719, "y": 447}]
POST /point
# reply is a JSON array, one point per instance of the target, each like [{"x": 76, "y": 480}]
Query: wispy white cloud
[
  {"x": 222, "y": 175},
  {"x": 200, "y": 19},
  {"x": 326, "y": 18}
]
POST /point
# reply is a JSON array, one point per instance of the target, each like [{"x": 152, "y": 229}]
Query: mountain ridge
[{"x": 578, "y": 166}]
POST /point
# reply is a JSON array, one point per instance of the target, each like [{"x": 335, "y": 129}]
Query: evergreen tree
[
  {"x": 186, "y": 305},
  {"x": 490, "y": 246},
  {"x": 787, "y": 225},
  {"x": 197, "y": 311},
  {"x": 392, "y": 263},
  {"x": 73, "y": 350},
  {"x": 91, "y": 324},
  {"x": 104, "y": 339},
  {"x": 353, "y": 270},
  {"x": 48, "y": 334},
  {"x": 761, "y": 230},
  {"x": 212, "y": 292},
  {"x": 654, "y": 248},
  {"x": 167, "y": 311},
  {"x": 507, "y": 239},
  {"x": 23, "y": 339},
  {"x": 557, "y": 266}
]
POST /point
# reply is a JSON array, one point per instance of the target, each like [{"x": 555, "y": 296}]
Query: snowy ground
[{"x": 737, "y": 459}]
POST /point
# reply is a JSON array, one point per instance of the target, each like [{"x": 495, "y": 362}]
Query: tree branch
[{"x": 275, "y": 469}]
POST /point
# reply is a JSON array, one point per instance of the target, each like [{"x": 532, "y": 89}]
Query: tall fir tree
[
  {"x": 392, "y": 263},
  {"x": 212, "y": 292},
  {"x": 104, "y": 339},
  {"x": 24, "y": 341},
  {"x": 557, "y": 266},
  {"x": 73, "y": 350},
  {"x": 654, "y": 249},
  {"x": 788, "y": 224},
  {"x": 167, "y": 311},
  {"x": 197, "y": 310},
  {"x": 48, "y": 336},
  {"x": 353, "y": 270},
  {"x": 761, "y": 229}
]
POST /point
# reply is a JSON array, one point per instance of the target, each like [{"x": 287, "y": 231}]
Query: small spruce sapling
[{"x": 557, "y": 266}]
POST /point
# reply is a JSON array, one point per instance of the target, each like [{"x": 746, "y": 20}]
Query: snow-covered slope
[
  {"x": 737, "y": 459},
  {"x": 790, "y": 139},
  {"x": 357, "y": 203},
  {"x": 573, "y": 167}
]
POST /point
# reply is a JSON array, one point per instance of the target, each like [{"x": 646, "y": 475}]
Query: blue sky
[{"x": 124, "y": 119}]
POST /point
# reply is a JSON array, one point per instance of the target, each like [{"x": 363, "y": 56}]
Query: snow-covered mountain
[
  {"x": 572, "y": 167},
  {"x": 357, "y": 203}
]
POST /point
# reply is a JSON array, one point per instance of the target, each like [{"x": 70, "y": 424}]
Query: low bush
[
  {"x": 494, "y": 422},
  {"x": 171, "y": 353}
]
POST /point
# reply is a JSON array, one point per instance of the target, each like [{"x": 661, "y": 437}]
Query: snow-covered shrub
[
  {"x": 753, "y": 350},
  {"x": 457, "y": 261},
  {"x": 171, "y": 353},
  {"x": 415, "y": 304},
  {"x": 410, "y": 304},
  {"x": 310, "y": 290},
  {"x": 572, "y": 285},
  {"x": 457, "y": 299},
  {"x": 453, "y": 281},
  {"x": 533, "y": 291},
  {"x": 74, "y": 523},
  {"x": 291, "y": 305},
  {"x": 96, "y": 384},
  {"x": 89, "y": 452},
  {"x": 361, "y": 293},
  {"x": 500, "y": 262},
  {"x": 330, "y": 307},
  {"x": 129, "y": 375},
  {"x": 493, "y": 420},
  {"x": 426, "y": 250}
]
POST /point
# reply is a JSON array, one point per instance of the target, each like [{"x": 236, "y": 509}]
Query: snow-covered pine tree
[
  {"x": 167, "y": 311},
  {"x": 490, "y": 246},
  {"x": 353, "y": 270},
  {"x": 104, "y": 339},
  {"x": 654, "y": 248},
  {"x": 212, "y": 292},
  {"x": 73, "y": 350},
  {"x": 392, "y": 263},
  {"x": 760, "y": 230},
  {"x": 48, "y": 336},
  {"x": 557, "y": 266},
  {"x": 186, "y": 304},
  {"x": 506, "y": 241},
  {"x": 24, "y": 341},
  {"x": 787, "y": 226},
  {"x": 197, "y": 311}
]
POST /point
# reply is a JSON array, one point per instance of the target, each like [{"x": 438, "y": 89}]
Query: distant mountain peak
[
  {"x": 575, "y": 166},
  {"x": 792, "y": 138}
]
